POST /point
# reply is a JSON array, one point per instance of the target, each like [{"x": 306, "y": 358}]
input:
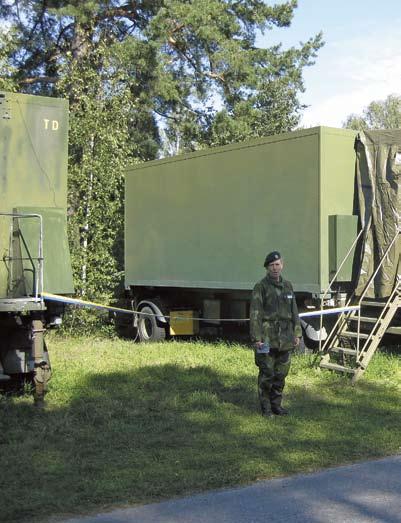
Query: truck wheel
[{"x": 148, "y": 328}]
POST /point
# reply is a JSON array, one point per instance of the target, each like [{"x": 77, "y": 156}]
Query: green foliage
[
  {"x": 86, "y": 322},
  {"x": 275, "y": 109},
  {"x": 379, "y": 114},
  {"x": 131, "y": 423},
  {"x": 137, "y": 74},
  {"x": 7, "y": 69},
  {"x": 99, "y": 131}
]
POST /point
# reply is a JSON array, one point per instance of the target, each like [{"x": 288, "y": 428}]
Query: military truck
[
  {"x": 198, "y": 227},
  {"x": 34, "y": 252}
]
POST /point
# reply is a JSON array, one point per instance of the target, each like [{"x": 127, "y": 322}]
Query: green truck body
[
  {"x": 33, "y": 180},
  {"x": 205, "y": 221},
  {"x": 34, "y": 252}
]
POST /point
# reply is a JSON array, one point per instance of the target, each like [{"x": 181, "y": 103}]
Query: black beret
[{"x": 271, "y": 257}]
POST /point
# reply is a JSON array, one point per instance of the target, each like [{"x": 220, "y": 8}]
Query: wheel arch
[{"x": 156, "y": 308}]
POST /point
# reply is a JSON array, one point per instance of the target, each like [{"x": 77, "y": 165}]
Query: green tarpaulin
[{"x": 378, "y": 175}]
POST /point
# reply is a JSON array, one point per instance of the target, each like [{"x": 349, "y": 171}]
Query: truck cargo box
[
  {"x": 206, "y": 220},
  {"x": 33, "y": 181}
]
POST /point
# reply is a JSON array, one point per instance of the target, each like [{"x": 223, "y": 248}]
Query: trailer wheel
[{"x": 148, "y": 327}]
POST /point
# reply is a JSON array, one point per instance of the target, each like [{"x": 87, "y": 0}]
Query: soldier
[{"x": 275, "y": 332}]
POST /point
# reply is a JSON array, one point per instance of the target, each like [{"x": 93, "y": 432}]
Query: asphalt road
[{"x": 368, "y": 492}]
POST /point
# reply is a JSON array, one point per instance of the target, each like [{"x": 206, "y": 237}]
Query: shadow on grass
[
  {"x": 169, "y": 430},
  {"x": 391, "y": 346}
]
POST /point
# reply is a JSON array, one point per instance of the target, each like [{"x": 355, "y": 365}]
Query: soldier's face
[{"x": 274, "y": 269}]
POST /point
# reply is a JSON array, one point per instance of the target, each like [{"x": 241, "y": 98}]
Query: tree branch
[{"x": 38, "y": 80}]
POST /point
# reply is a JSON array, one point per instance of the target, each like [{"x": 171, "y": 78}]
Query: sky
[{"x": 360, "y": 61}]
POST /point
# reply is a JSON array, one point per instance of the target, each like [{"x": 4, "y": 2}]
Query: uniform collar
[{"x": 271, "y": 280}]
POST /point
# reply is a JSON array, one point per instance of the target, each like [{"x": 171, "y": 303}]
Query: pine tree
[{"x": 137, "y": 72}]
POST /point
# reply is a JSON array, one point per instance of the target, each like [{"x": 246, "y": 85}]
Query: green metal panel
[
  {"x": 33, "y": 174},
  {"x": 342, "y": 232},
  {"x": 337, "y": 191},
  {"x": 57, "y": 262},
  {"x": 207, "y": 220}
]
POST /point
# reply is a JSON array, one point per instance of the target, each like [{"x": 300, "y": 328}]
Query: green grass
[{"x": 128, "y": 423}]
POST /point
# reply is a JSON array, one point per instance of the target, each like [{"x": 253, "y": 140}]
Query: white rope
[{"x": 89, "y": 304}]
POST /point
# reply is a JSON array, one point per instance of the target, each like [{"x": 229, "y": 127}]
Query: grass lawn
[{"x": 129, "y": 423}]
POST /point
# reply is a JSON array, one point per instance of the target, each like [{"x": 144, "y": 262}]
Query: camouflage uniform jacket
[{"x": 274, "y": 314}]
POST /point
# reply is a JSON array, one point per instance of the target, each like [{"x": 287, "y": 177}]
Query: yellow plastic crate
[{"x": 183, "y": 322}]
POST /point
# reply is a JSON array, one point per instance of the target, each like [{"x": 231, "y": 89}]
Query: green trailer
[
  {"x": 198, "y": 226},
  {"x": 33, "y": 233}
]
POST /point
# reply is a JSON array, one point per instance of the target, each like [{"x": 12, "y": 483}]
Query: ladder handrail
[
  {"x": 390, "y": 299},
  {"x": 329, "y": 288},
  {"x": 368, "y": 284},
  {"x": 366, "y": 288},
  {"x": 380, "y": 264},
  {"x": 38, "y": 274}
]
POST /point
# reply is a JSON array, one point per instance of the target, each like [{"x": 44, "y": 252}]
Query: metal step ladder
[{"x": 357, "y": 334}]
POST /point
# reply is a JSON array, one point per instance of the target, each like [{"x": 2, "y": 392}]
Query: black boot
[
  {"x": 266, "y": 411},
  {"x": 280, "y": 411}
]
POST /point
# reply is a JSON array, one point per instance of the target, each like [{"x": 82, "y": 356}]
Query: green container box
[
  {"x": 33, "y": 180},
  {"x": 206, "y": 220}
]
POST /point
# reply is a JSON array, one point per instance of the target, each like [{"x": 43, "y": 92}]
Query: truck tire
[{"x": 148, "y": 327}]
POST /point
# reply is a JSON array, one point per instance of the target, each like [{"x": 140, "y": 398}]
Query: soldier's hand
[
  {"x": 258, "y": 344},
  {"x": 297, "y": 341}
]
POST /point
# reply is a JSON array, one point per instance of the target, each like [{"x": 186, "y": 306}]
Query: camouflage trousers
[{"x": 273, "y": 369}]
